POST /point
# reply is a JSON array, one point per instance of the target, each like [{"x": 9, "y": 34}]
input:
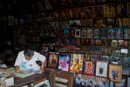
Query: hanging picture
[
  {"x": 115, "y": 73},
  {"x": 86, "y": 23},
  {"x": 47, "y": 4},
  {"x": 100, "y": 23},
  {"x": 102, "y": 49},
  {"x": 98, "y": 11},
  {"x": 72, "y": 33},
  {"x": 63, "y": 15},
  {"x": 111, "y": 33},
  {"x": 89, "y": 12},
  {"x": 70, "y": 14},
  {"x": 76, "y": 63},
  {"x": 82, "y": 41},
  {"x": 89, "y": 67},
  {"x": 104, "y": 33},
  {"x": 77, "y": 41},
  {"x": 109, "y": 10},
  {"x": 75, "y": 24},
  {"x": 66, "y": 33},
  {"x": 108, "y": 42},
  {"x": 89, "y": 33},
  {"x": 119, "y": 33},
  {"x": 108, "y": 50},
  {"x": 87, "y": 42},
  {"x": 118, "y": 22},
  {"x": 80, "y": 14},
  {"x": 53, "y": 60},
  {"x": 67, "y": 42},
  {"x": 114, "y": 43},
  {"x": 101, "y": 69},
  {"x": 103, "y": 42},
  {"x": 110, "y": 22},
  {"x": 64, "y": 24},
  {"x": 61, "y": 33},
  {"x": 64, "y": 62},
  {"x": 92, "y": 43},
  {"x": 126, "y": 43},
  {"x": 104, "y": 58},
  {"x": 54, "y": 25},
  {"x": 126, "y": 33},
  {"x": 120, "y": 43},
  {"x": 77, "y": 33},
  {"x": 101, "y": 1},
  {"x": 83, "y": 33},
  {"x": 97, "y": 42},
  {"x": 126, "y": 22},
  {"x": 56, "y": 15},
  {"x": 96, "y": 33},
  {"x": 64, "y": 3},
  {"x": 72, "y": 41}
]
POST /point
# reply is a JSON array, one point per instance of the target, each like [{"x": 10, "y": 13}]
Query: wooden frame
[
  {"x": 115, "y": 73},
  {"x": 101, "y": 69}
]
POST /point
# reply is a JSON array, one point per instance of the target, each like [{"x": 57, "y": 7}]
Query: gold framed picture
[{"x": 115, "y": 73}]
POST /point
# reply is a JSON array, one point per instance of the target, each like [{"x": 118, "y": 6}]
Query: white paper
[{"x": 111, "y": 84}]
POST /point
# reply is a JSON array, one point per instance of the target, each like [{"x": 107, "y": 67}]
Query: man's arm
[
  {"x": 17, "y": 69},
  {"x": 42, "y": 67}
]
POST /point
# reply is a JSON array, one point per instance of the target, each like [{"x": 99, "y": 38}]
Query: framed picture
[
  {"x": 101, "y": 69},
  {"x": 119, "y": 34},
  {"x": 89, "y": 33},
  {"x": 126, "y": 33},
  {"x": 114, "y": 43},
  {"x": 111, "y": 33},
  {"x": 86, "y": 23},
  {"x": 121, "y": 84},
  {"x": 96, "y": 33},
  {"x": 83, "y": 33},
  {"x": 64, "y": 62},
  {"x": 126, "y": 22},
  {"x": 53, "y": 60},
  {"x": 76, "y": 63},
  {"x": 115, "y": 73},
  {"x": 89, "y": 67},
  {"x": 77, "y": 33},
  {"x": 104, "y": 33}
]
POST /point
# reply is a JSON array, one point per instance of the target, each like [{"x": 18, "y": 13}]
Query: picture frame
[
  {"x": 89, "y": 67},
  {"x": 115, "y": 72},
  {"x": 101, "y": 69},
  {"x": 77, "y": 33},
  {"x": 126, "y": 33}
]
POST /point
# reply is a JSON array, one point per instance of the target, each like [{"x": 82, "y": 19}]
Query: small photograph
[
  {"x": 102, "y": 23},
  {"x": 89, "y": 12},
  {"x": 86, "y": 23},
  {"x": 126, "y": 33},
  {"x": 82, "y": 41},
  {"x": 72, "y": 33},
  {"x": 119, "y": 33},
  {"x": 115, "y": 75},
  {"x": 83, "y": 33},
  {"x": 110, "y": 22},
  {"x": 53, "y": 60},
  {"x": 121, "y": 9},
  {"x": 126, "y": 43},
  {"x": 47, "y": 4},
  {"x": 80, "y": 14},
  {"x": 102, "y": 49},
  {"x": 70, "y": 14},
  {"x": 67, "y": 42},
  {"x": 97, "y": 42},
  {"x": 64, "y": 24},
  {"x": 114, "y": 43},
  {"x": 108, "y": 42},
  {"x": 61, "y": 34},
  {"x": 120, "y": 43},
  {"x": 77, "y": 33},
  {"x": 77, "y": 41},
  {"x": 89, "y": 33},
  {"x": 126, "y": 22},
  {"x": 98, "y": 11},
  {"x": 92, "y": 43},
  {"x": 96, "y": 33},
  {"x": 54, "y": 25},
  {"x": 89, "y": 67},
  {"x": 64, "y": 62},
  {"x": 111, "y": 33},
  {"x": 72, "y": 41},
  {"x": 128, "y": 7},
  {"x": 76, "y": 63},
  {"x": 103, "y": 42},
  {"x": 108, "y": 50},
  {"x": 66, "y": 33},
  {"x": 75, "y": 24},
  {"x": 104, "y": 33},
  {"x": 107, "y": 11},
  {"x": 88, "y": 42},
  {"x": 63, "y": 15},
  {"x": 118, "y": 22}
]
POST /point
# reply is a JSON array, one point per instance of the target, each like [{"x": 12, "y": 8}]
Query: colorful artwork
[
  {"x": 92, "y": 43},
  {"x": 109, "y": 10},
  {"x": 63, "y": 15},
  {"x": 67, "y": 42},
  {"x": 118, "y": 22},
  {"x": 70, "y": 14},
  {"x": 102, "y": 23},
  {"x": 96, "y": 33},
  {"x": 119, "y": 33},
  {"x": 89, "y": 12},
  {"x": 79, "y": 13},
  {"x": 126, "y": 33},
  {"x": 61, "y": 33},
  {"x": 86, "y": 23},
  {"x": 89, "y": 33},
  {"x": 53, "y": 60},
  {"x": 111, "y": 33},
  {"x": 76, "y": 63},
  {"x": 114, "y": 43},
  {"x": 83, "y": 33},
  {"x": 77, "y": 41},
  {"x": 104, "y": 58},
  {"x": 77, "y": 33},
  {"x": 66, "y": 33},
  {"x": 126, "y": 22},
  {"x": 102, "y": 49},
  {"x": 71, "y": 33},
  {"x": 82, "y": 41},
  {"x": 108, "y": 50},
  {"x": 110, "y": 22},
  {"x": 64, "y": 62},
  {"x": 120, "y": 43},
  {"x": 98, "y": 11},
  {"x": 104, "y": 33},
  {"x": 72, "y": 41},
  {"x": 89, "y": 67},
  {"x": 126, "y": 43},
  {"x": 88, "y": 42},
  {"x": 97, "y": 42},
  {"x": 121, "y": 10}
]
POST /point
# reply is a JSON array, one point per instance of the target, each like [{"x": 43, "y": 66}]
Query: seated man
[{"x": 26, "y": 61}]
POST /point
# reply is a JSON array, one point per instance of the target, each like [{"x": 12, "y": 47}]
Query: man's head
[{"x": 28, "y": 54}]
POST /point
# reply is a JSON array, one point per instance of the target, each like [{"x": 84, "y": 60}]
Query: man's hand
[
  {"x": 42, "y": 70},
  {"x": 17, "y": 69}
]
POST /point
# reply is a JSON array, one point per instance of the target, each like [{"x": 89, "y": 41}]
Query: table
[{"x": 35, "y": 78}]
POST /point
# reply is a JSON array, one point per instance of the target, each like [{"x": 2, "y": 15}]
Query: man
[{"x": 26, "y": 61}]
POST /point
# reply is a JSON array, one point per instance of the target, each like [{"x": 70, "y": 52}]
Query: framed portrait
[
  {"x": 89, "y": 33},
  {"x": 45, "y": 51},
  {"x": 53, "y": 60},
  {"x": 76, "y": 63},
  {"x": 64, "y": 62},
  {"x": 89, "y": 67},
  {"x": 119, "y": 33},
  {"x": 103, "y": 33},
  {"x": 101, "y": 69},
  {"x": 77, "y": 33},
  {"x": 83, "y": 33},
  {"x": 111, "y": 33},
  {"x": 126, "y": 33},
  {"x": 96, "y": 33},
  {"x": 115, "y": 72}
]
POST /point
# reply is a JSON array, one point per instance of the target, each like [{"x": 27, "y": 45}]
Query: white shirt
[{"x": 21, "y": 58}]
